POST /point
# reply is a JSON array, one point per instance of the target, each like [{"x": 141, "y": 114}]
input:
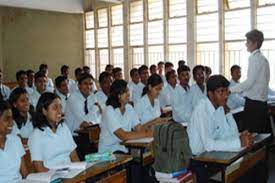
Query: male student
[
  {"x": 117, "y": 73},
  {"x": 109, "y": 68},
  {"x": 255, "y": 87},
  {"x": 235, "y": 100},
  {"x": 4, "y": 90},
  {"x": 62, "y": 90},
  {"x": 167, "y": 93},
  {"x": 65, "y": 70},
  {"x": 30, "y": 75},
  {"x": 22, "y": 81},
  {"x": 153, "y": 69},
  {"x": 181, "y": 63},
  {"x": 144, "y": 75},
  {"x": 40, "y": 81},
  {"x": 161, "y": 68},
  {"x": 208, "y": 72},
  {"x": 181, "y": 100},
  {"x": 49, "y": 86},
  {"x": 168, "y": 66},
  {"x": 105, "y": 81},
  {"x": 77, "y": 73},
  {"x": 86, "y": 69},
  {"x": 212, "y": 127},
  {"x": 135, "y": 86}
]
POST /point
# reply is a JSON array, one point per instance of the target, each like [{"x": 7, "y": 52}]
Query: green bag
[{"x": 171, "y": 147}]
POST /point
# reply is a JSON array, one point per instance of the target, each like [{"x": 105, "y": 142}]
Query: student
[
  {"x": 135, "y": 86},
  {"x": 12, "y": 166},
  {"x": 161, "y": 69},
  {"x": 40, "y": 80},
  {"x": 166, "y": 94},
  {"x": 105, "y": 81},
  {"x": 255, "y": 87},
  {"x": 148, "y": 107},
  {"x": 109, "y": 68},
  {"x": 22, "y": 116},
  {"x": 49, "y": 85},
  {"x": 212, "y": 127},
  {"x": 181, "y": 63},
  {"x": 153, "y": 69},
  {"x": 117, "y": 73},
  {"x": 62, "y": 90},
  {"x": 65, "y": 71},
  {"x": 51, "y": 143},
  {"x": 198, "y": 90},
  {"x": 208, "y": 72},
  {"x": 118, "y": 121},
  {"x": 87, "y": 70},
  {"x": 77, "y": 73},
  {"x": 235, "y": 100},
  {"x": 30, "y": 75},
  {"x": 168, "y": 66},
  {"x": 22, "y": 81},
  {"x": 143, "y": 74},
  {"x": 181, "y": 100},
  {"x": 4, "y": 90}
]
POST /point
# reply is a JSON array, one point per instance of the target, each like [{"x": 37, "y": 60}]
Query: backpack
[{"x": 171, "y": 147}]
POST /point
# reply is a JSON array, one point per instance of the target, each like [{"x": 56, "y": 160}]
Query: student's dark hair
[
  {"x": 117, "y": 88},
  {"x": 104, "y": 75},
  {"x": 64, "y": 68},
  {"x": 169, "y": 74},
  {"x": 234, "y": 67},
  {"x": 196, "y": 68},
  {"x": 84, "y": 76},
  {"x": 207, "y": 70},
  {"x": 40, "y": 121},
  {"x": 215, "y": 82},
  {"x": 43, "y": 66},
  {"x": 168, "y": 64},
  {"x": 20, "y": 73},
  {"x": 59, "y": 80},
  {"x": 116, "y": 70},
  {"x": 182, "y": 69},
  {"x": 160, "y": 63},
  {"x": 17, "y": 117},
  {"x": 77, "y": 71},
  {"x": 152, "y": 67},
  {"x": 4, "y": 105},
  {"x": 142, "y": 68},
  {"x": 133, "y": 71},
  {"x": 29, "y": 72},
  {"x": 39, "y": 74},
  {"x": 108, "y": 66},
  {"x": 255, "y": 36},
  {"x": 181, "y": 62},
  {"x": 153, "y": 81},
  {"x": 85, "y": 67}
]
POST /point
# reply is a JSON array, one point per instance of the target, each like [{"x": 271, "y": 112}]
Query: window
[
  {"x": 136, "y": 11},
  {"x": 102, "y": 18},
  {"x": 155, "y": 32},
  {"x": 102, "y": 37},
  {"x": 136, "y": 34},
  {"x": 90, "y": 39},
  {"x": 118, "y": 58},
  {"x": 208, "y": 55},
  {"x": 103, "y": 58},
  {"x": 177, "y": 30},
  {"x": 177, "y": 8},
  {"x": 138, "y": 57},
  {"x": 176, "y": 53},
  {"x": 266, "y": 2},
  {"x": 155, "y": 54},
  {"x": 117, "y": 15},
  {"x": 207, "y": 27},
  {"x": 204, "y": 6},
  {"x": 234, "y": 4},
  {"x": 266, "y": 21},
  {"x": 89, "y": 17},
  {"x": 155, "y": 9},
  {"x": 90, "y": 61}
]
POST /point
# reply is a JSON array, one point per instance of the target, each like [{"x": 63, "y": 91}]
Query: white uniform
[
  {"x": 5, "y": 91},
  {"x": 235, "y": 100},
  {"x": 63, "y": 98},
  {"x": 135, "y": 91},
  {"x": 34, "y": 97},
  {"x": 25, "y": 130},
  {"x": 165, "y": 97},
  {"x": 101, "y": 98},
  {"x": 197, "y": 94}
]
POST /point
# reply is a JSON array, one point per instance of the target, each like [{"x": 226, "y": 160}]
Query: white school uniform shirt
[
  {"x": 30, "y": 89},
  {"x": 211, "y": 129},
  {"x": 25, "y": 130},
  {"x": 112, "y": 120},
  {"x": 181, "y": 104},
  {"x": 135, "y": 91},
  {"x": 10, "y": 158},
  {"x": 165, "y": 97},
  {"x": 235, "y": 100},
  {"x": 52, "y": 149},
  {"x": 63, "y": 98},
  {"x": 34, "y": 97},
  {"x": 49, "y": 85},
  {"x": 165, "y": 83},
  {"x": 71, "y": 84},
  {"x": 74, "y": 113},
  {"x": 101, "y": 97},
  {"x": 255, "y": 87},
  {"x": 197, "y": 94},
  {"x": 5, "y": 91},
  {"x": 145, "y": 111}
]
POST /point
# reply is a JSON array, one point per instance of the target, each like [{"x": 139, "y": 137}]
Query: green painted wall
[{"x": 32, "y": 37}]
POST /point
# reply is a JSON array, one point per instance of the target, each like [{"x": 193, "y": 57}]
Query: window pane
[
  {"x": 155, "y": 32},
  {"x": 237, "y": 24},
  {"x": 155, "y": 9},
  {"x": 177, "y": 8},
  {"x": 102, "y": 37},
  {"x": 136, "y": 34},
  {"x": 89, "y": 17},
  {"x": 207, "y": 27},
  {"x": 90, "y": 39},
  {"x": 104, "y": 59},
  {"x": 117, "y": 36},
  {"x": 207, "y": 6},
  {"x": 102, "y": 18},
  {"x": 176, "y": 53},
  {"x": 177, "y": 30},
  {"x": 268, "y": 50},
  {"x": 136, "y": 11},
  {"x": 118, "y": 58},
  {"x": 265, "y": 2},
  {"x": 155, "y": 54},
  {"x": 138, "y": 57},
  {"x": 117, "y": 15},
  {"x": 90, "y": 60},
  {"x": 208, "y": 55},
  {"x": 266, "y": 21},
  {"x": 233, "y": 4}
]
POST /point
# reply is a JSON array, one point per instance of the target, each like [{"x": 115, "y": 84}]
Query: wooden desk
[
  {"x": 104, "y": 172},
  {"x": 223, "y": 159},
  {"x": 91, "y": 132}
]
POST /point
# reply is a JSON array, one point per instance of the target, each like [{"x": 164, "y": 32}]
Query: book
[
  {"x": 141, "y": 140},
  {"x": 170, "y": 175},
  {"x": 183, "y": 178},
  {"x": 45, "y": 177}
]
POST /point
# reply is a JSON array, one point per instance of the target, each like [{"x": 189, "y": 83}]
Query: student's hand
[
  {"x": 84, "y": 125},
  {"x": 99, "y": 107},
  {"x": 246, "y": 139},
  {"x": 226, "y": 109}
]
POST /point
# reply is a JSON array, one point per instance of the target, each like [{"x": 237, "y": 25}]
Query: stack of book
[{"x": 181, "y": 176}]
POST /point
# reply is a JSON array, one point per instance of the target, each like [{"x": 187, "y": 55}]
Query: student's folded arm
[
  {"x": 39, "y": 166},
  {"x": 23, "y": 168},
  {"x": 124, "y": 135},
  {"x": 74, "y": 156}
]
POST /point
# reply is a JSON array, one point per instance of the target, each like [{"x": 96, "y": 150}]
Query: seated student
[
  {"x": 118, "y": 120},
  {"x": 65, "y": 71},
  {"x": 62, "y": 90},
  {"x": 168, "y": 66},
  {"x": 105, "y": 81},
  {"x": 208, "y": 72},
  {"x": 165, "y": 98},
  {"x": 161, "y": 69},
  {"x": 40, "y": 81},
  {"x": 181, "y": 63},
  {"x": 30, "y": 75},
  {"x": 117, "y": 73},
  {"x": 12, "y": 166},
  {"x": 87, "y": 70},
  {"x": 235, "y": 100},
  {"x": 198, "y": 90},
  {"x": 77, "y": 73},
  {"x": 49, "y": 85},
  {"x": 153, "y": 69},
  {"x": 135, "y": 86},
  {"x": 148, "y": 107},
  {"x": 22, "y": 116},
  {"x": 51, "y": 143},
  {"x": 181, "y": 100},
  {"x": 212, "y": 127},
  {"x": 22, "y": 81},
  {"x": 82, "y": 109},
  {"x": 109, "y": 68},
  {"x": 4, "y": 90}
]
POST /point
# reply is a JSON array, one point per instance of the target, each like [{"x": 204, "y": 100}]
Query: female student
[
  {"x": 19, "y": 99},
  {"x": 12, "y": 166},
  {"x": 119, "y": 118},
  {"x": 148, "y": 107},
  {"x": 51, "y": 143}
]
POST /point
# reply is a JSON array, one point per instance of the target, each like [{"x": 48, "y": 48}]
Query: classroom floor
[{"x": 272, "y": 166}]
